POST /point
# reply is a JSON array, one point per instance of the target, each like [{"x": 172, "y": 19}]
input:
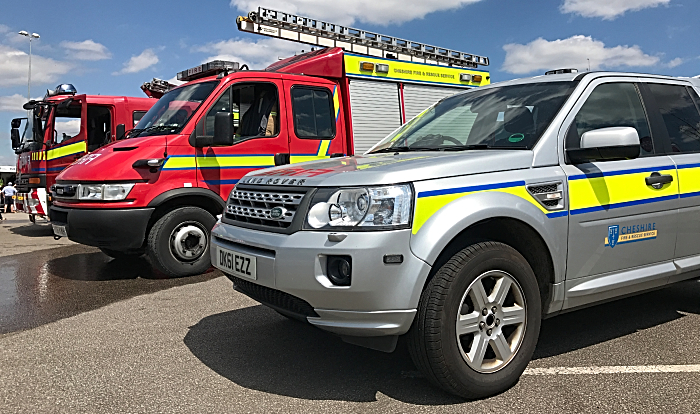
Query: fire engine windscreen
[
  {"x": 170, "y": 114},
  {"x": 501, "y": 118}
]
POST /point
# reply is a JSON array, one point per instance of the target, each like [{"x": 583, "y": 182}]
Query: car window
[
  {"x": 680, "y": 115},
  {"x": 612, "y": 105},
  {"x": 313, "y": 112},
  {"x": 254, "y": 107}
]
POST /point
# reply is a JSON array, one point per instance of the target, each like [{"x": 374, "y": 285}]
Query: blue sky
[{"x": 111, "y": 48}]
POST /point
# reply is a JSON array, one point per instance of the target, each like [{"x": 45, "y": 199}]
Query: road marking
[{"x": 639, "y": 369}]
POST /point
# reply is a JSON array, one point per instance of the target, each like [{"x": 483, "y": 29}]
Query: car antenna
[{"x": 165, "y": 153}]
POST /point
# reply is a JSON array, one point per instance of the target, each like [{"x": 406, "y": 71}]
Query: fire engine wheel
[
  {"x": 478, "y": 321},
  {"x": 178, "y": 244},
  {"x": 115, "y": 254}
]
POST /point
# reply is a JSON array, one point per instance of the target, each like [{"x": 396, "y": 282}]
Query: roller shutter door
[
  {"x": 375, "y": 112},
  {"x": 416, "y": 97}
]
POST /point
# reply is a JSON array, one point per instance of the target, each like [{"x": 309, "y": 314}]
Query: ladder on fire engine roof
[
  {"x": 156, "y": 88},
  {"x": 301, "y": 29}
]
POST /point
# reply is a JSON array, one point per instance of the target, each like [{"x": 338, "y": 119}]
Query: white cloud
[
  {"x": 542, "y": 55},
  {"x": 145, "y": 60},
  {"x": 69, "y": 128},
  {"x": 381, "y": 12},
  {"x": 256, "y": 54},
  {"x": 86, "y": 50},
  {"x": 14, "y": 64},
  {"x": 607, "y": 9},
  {"x": 13, "y": 103},
  {"x": 675, "y": 62}
]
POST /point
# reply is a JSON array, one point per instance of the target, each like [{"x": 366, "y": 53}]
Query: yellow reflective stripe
[
  {"x": 336, "y": 102},
  {"x": 689, "y": 179},
  {"x": 602, "y": 191},
  {"x": 71, "y": 149},
  {"x": 322, "y": 151},
  {"x": 236, "y": 161},
  {"x": 180, "y": 162},
  {"x": 426, "y": 207}
]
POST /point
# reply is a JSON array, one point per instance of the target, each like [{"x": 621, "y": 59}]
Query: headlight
[
  {"x": 109, "y": 192},
  {"x": 386, "y": 207}
]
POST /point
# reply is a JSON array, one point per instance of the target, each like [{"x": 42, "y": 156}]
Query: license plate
[
  {"x": 239, "y": 264},
  {"x": 59, "y": 230}
]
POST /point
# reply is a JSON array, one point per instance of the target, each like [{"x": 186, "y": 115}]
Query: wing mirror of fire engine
[
  {"x": 121, "y": 130},
  {"x": 14, "y": 134},
  {"x": 606, "y": 144},
  {"x": 16, "y": 123},
  {"x": 223, "y": 129}
]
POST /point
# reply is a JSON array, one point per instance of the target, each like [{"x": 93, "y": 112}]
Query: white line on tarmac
[{"x": 612, "y": 370}]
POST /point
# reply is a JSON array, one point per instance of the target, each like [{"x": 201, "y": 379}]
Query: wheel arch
[
  {"x": 499, "y": 217},
  {"x": 203, "y": 198}
]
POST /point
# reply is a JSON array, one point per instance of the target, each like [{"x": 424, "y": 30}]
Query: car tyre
[
  {"x": 178, "y": 243},
  {"x": 451, "y": 302}
]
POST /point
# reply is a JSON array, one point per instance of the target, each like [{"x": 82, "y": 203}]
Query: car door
[
  {"x": 622, "y": 232},
  {"x": 258, "y": 113},
  {"x": 678, "y": 109},
  {"x": 315, "y": 125}
]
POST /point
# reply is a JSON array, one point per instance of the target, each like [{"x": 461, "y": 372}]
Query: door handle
[{"x": 657, "y": 180}]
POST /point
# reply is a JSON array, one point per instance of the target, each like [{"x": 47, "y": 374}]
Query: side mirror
[
  {"x": 16, "y": 123},
  {"x": 14, "y": 135},
  {"x": 29, "y": 105},
  {"x": 606, "y": 144},
  {"x": 223, "y": 129},
  {"x": 121, "y": 130}
]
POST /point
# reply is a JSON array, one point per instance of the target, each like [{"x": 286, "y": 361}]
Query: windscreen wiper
[
  {"x": 404, "y": 149},
  {"x": 155, "y": 128}
]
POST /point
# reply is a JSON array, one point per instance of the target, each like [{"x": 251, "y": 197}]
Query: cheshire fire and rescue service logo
[
  {"x": 628, "y": 234},
  {"x": 613, "y": 235}
]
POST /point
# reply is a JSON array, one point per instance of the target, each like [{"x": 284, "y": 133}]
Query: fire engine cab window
[
  {"x": 612, "y": 105},
  {"x": 254, "y": 107},
  {"x": 99, "y": 128},
  {"x": 680, "y": 116},
  {"x": 137, "y": 117},
  {"x": 313, "y": 113},
  {"x": 66, "y": 123}
]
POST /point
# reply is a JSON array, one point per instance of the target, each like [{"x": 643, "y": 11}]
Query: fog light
[{"x": 339, "y": 270}]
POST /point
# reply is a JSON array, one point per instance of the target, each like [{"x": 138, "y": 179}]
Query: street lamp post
[{"x": 29, "y": 75}]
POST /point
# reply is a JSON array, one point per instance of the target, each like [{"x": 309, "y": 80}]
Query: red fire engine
[
  {"x": 160, "y": 191},
  {"x": 61, "y": 128}
]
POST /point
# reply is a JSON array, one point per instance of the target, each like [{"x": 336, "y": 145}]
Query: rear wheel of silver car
[
  {"x": 178, "y": 243},
  {"x": 478, "y": 321}
]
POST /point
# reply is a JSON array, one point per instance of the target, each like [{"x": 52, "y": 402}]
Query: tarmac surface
[{"x": 83, "y": 333}]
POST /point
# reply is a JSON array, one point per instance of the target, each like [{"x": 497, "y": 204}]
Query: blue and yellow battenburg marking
[
  {"x": 616, "y": 189},
  {"x": 629, "y": 234},
  {"x": 429, "y": 202}
]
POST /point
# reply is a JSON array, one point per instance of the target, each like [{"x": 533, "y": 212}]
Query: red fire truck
[
  {"x": 160, "y": 191},
  {"x": 63, "y": 127}
]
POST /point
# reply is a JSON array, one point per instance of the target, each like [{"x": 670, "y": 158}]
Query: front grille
[
  {"x": 273, "y": 298},
  {"x": 255, "y": 206}
]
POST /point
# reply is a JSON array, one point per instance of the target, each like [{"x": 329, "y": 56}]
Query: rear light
[
  {"x": 35, "y": 180},
  {"x": 477, "y": 78},
  {"x": 382, "y": 68}
]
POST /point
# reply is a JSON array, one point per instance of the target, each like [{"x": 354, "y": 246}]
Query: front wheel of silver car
[{"x": 478, "y": 321}]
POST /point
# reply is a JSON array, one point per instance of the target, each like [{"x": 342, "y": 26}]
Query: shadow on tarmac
[
  {"x": 33, "y": 230},
  {"x": 258, "y": 349}
]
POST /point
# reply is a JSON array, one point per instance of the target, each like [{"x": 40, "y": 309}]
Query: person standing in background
[{"x": 8, "y": 193}]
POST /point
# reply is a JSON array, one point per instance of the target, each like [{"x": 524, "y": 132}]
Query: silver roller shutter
[
  {"x": 416, "y": 98},
  {"x": 375, "y": 112}
]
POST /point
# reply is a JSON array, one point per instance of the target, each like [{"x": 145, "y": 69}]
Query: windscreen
[
  {"x": 170, "y": 114},
  {"x": 507, "y": 117}
]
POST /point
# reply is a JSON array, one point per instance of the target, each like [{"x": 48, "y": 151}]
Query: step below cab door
[
  {"x": 622, "y": 231},
  {"x": 315, "y": 123},
  {"x": 259, "y": 120}
]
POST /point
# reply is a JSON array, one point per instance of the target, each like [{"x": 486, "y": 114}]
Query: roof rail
[{"x": 302, "y": 29}]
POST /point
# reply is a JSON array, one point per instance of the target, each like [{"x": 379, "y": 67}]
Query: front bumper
[
  {"x": 120, "y": 230},
  {"x": 381, "y": 300}
]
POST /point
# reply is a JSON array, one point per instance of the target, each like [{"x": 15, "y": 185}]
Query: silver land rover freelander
[{"x": 487, "y": 212}]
